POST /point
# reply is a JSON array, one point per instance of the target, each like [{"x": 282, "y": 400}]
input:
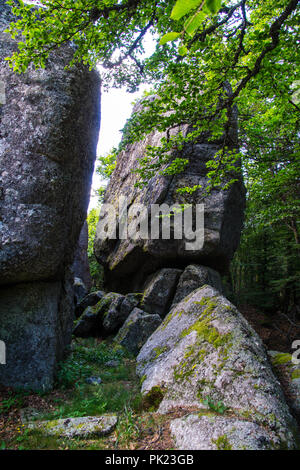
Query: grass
[
  {"x": 9, "y": 403},
  {"x": 118, "y": 393}
]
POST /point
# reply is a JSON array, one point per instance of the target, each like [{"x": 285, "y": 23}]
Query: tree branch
[{"x": 274, "y": 34}]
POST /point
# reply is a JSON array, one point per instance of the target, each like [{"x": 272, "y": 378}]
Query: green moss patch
[
  {"x": 295, "y": 374},
  {"x": 205, "y": 331},
  {"x": 282, "y": 358},
  {"x": 160, "y": 350},
  {"x": 153, "y": 398},
  {"x": 222, "y": 443}
]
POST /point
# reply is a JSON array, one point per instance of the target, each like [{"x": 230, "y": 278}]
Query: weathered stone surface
[
  {"x": 35, "y": 326},
  {"x": 49, "y": 123},
  {"x": 159, "y": 291},
  {"x": 137, "y": 329},
  {"x": 289, "y": 372},
  {"x": 130, "y": 301},
  {"x": 193, "y": 277},
  {"x": 119, "y": 310},
  {"x": 107, "y": 315},
  {"x": 128, "y": 261},
  {"x": 88, "y": 301},
  {"x": 81, "y": 266},
  {"x": 205, "y": 350},
  {"x": 80, "y": 290},
  {"x": 112, "y": 317},
  {"x": 212, "y": 432},
  {"x": 88, "y": 325},
  {"x": 86, "y": 427},
  {"x": 49, "y": 130}
]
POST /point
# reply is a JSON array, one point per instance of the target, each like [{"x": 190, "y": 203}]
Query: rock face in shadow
[
  {"x": 49, "y": 123},
  {"x": 206, "y": 356},
  {"x": 137, "y": 329},
  {"x": 36, "y": 326},
  {"x": 87, "y": 427},
  {"x": 104, "y": 315},
  {"x": 193, "y": 277},
  {"x": 287, "y": 369},
  {"x": 159, "y": 291},
  {"x": 81, "y": 265},
  {"x": 129, "y": 261}
]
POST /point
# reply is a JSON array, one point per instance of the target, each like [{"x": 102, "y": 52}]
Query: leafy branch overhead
[
  {"x": 211, "y": 58},
  {"x": 200, "y": 10}
]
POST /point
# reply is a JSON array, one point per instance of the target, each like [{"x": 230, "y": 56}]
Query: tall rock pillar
[{"x": 49, "y": 124}]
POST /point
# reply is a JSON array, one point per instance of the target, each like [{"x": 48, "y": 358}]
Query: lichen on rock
[
  {"x": 85, "y": 427},
  {"x": 49, "y": 125},
  {"x": 283, "y": 363},
  {"x": 221, "y": 433},
  {"x": 136, "y": 330},
  {"x": 212, "y": 354}
]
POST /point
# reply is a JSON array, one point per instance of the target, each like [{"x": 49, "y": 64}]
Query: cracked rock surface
[{"x": 206, "y": 355}]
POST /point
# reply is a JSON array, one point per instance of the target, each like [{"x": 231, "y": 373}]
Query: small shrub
[{"x": 218, "y": 407}]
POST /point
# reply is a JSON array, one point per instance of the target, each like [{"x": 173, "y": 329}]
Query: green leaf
[
  {"x": 193, "y": 23},
  {"x": 169, "y": 37},
  {"x": 182, "y": 50},
  {"x": 182, "y": 7},
  {"x": 213, "y": 5}
]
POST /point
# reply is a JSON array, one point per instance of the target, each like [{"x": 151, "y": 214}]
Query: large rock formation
[
  {"x": 203, "y": 360},
  {"x": 206, "y": 357},
  {"x": 48, "y": 135},
  {"x": 100, "y": 315},
  {"x": 129, "y": 261}
]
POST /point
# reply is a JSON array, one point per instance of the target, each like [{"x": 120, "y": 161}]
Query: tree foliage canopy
[{"x": 211, "y": 56}]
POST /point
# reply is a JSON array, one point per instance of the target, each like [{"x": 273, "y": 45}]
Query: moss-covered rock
[
  {"x": 195, "y": 432},
  {"x": 208, "y": 353},
  {"x": 283, "y": 362},
  {"x": 85, "y": 427},
  {"x": 152, "y": 399},
  {"x": 87, "y": 325},
  {"x": 129, "y": 260},
  {"x": 107, "y": 315},
  {"x": 88, "y": 301},
  {"x": 119, "y": 310},
  {"x": 49, "y": 131}
]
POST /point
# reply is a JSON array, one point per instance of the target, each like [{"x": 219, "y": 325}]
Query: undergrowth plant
[{"x": 217, "y": 407}]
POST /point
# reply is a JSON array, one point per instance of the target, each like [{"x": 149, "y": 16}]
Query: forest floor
[
  {"x": 276, "y": 330},
  {"x": 277, "y": 333},
  {"x": 119, "y": 393}
]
